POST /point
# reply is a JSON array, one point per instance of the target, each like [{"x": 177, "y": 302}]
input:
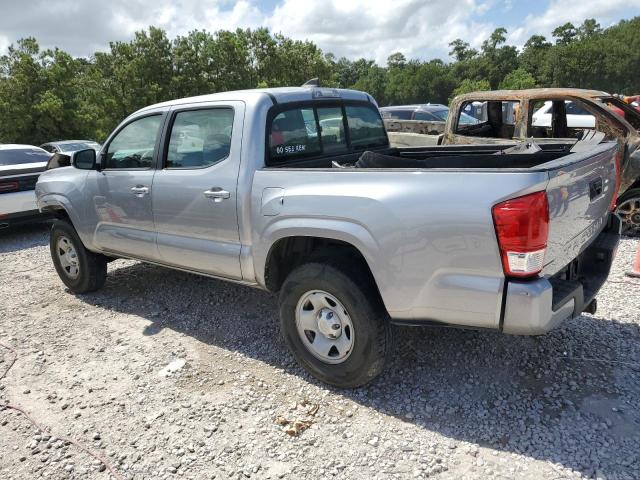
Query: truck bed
[{"x": 427, "y": 215}]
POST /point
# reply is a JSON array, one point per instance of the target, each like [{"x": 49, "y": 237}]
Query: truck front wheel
[
  {"x": 335, "y": 324},
  {"x": 79, "y": 269}
]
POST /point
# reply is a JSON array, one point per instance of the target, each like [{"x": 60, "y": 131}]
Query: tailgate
[{"x": 580, "y": 191}]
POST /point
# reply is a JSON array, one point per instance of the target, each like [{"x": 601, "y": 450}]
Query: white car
[
  {"x": 577, "y": 117},
  {"x": 20, "y": 167}
]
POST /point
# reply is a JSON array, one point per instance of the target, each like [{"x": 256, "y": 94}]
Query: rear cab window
[
  {"x": 22, "y": 156},
  {"x": 320, "y": 130},
  {"x": 489, "y": 119}
]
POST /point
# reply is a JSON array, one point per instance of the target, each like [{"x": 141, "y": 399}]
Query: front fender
[{"x": 50, "y": 202}]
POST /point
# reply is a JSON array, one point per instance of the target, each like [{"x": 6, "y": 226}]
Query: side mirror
[{"x": 84, "y": 159}]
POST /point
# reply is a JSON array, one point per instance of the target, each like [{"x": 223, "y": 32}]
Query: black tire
[
  {"x": 357, "y": 292},
  {"x": 92, "y": 267},
  {"x": 632, "y": 226}
]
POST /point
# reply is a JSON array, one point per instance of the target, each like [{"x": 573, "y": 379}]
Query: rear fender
[{"x": 333, "y": 229}]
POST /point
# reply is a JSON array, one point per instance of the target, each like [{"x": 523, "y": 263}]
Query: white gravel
[{"x": 171, "y": 375}]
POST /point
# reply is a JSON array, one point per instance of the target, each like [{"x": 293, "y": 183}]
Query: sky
[{"x": 353, "y": 28}]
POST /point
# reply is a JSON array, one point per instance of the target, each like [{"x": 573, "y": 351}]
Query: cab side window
[
  {"x": 133, "y": 146},
  {"x": 559, "y": 118},
  {"x": 200, "y": 138}
]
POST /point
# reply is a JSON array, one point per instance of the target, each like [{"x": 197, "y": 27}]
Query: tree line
[{"x": 50, "y": 95}]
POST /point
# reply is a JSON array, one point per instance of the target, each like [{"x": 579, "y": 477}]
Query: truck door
[
  {"x": 194, "y": 193},
  {"x": 120, "y": 202}
]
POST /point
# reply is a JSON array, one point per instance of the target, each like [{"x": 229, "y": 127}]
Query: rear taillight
[
  {"x": 6, "y": 187},
  {"x": 522, "y": 227},
  {"x": 618, "y": 166}
]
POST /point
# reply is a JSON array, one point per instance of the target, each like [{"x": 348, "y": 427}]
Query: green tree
[
  {"x": 50, "y": 95},
  {"x": 564, "y": 34},
  {"x": 534, "y": 57},
  {"x": 519, "y": 79},
  {"x": 461, "y": 50},
  {"x": 588, "y": 29},
  {"x": 468, "y": 86}
]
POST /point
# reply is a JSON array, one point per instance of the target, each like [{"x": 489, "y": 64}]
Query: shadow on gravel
[
  {"x": 24, "y": 236},
  {"x": 570, "y": 397}
]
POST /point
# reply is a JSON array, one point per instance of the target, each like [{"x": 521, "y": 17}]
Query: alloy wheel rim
[
  {"x": 324, "y": 326},
  {"x": 68, "y": 257},
  {"x": 629, "y": 212}
]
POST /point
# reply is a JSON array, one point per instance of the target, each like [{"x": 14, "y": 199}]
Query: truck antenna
[{"x": 314, "y": 82}]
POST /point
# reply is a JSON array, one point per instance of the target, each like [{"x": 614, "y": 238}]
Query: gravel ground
[{"x": 170, "y": 375}]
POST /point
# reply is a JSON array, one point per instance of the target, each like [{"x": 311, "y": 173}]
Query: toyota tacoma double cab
[{"x": 297, "y": 191}]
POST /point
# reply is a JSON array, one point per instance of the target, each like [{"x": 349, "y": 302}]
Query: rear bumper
[
  {"x": 533, "y": 307},
  {"x": 18, "y": 202},
  {"x": 12, "y": 219}
]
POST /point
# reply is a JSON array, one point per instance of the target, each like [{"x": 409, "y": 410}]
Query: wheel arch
[
  {"x": 59, "y": 207},
  {"x": 288, "y": 252}
]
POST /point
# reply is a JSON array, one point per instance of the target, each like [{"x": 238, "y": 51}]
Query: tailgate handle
[{"x": 595, "y": 188}]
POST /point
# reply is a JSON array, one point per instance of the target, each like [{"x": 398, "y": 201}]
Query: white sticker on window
[{"x": 289, "y": 149}]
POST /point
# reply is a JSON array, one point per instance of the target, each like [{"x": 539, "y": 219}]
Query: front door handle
[
  {"x": 217, "y": 194},
  {"x": 140, "y": 190}
]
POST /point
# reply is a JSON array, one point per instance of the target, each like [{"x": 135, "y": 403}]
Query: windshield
[
  {"x": 22, "y": 156},
  {"x": 396, "y": 114},
  {"x": 441, "y": 114},
  {"x": 74, "y": 147},
  {"x": 468, "y": 119}
]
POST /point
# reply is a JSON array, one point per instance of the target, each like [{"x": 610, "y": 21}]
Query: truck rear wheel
[
  {"x": 79, "y": 269},
  {"x": 335, "y": 324},
  {"x": 628, "y": 210}
]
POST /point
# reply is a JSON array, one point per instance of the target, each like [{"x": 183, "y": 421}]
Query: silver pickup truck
[{"x": 296, "y": 190}]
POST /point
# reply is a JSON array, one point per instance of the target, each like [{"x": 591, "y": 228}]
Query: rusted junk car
[{"x": 554, "y": 115}]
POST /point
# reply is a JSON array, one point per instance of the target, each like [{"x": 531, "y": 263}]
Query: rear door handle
[
  {"x": 217, "y": 194},
  {"x": 140, "y": 190}
]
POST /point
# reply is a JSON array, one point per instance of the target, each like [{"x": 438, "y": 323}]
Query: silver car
[
  {"x": 268, "y": 189},
  {"x": 69, "y": 146}
]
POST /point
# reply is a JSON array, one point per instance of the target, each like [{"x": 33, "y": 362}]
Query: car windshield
[
  {"x": 397, "y": 114},
  {"x": 441, "y": 114},
  {"x": 74, "y": 147},
  {"x": 467, "y": 119},
  {"x": 20, "y": 156}
]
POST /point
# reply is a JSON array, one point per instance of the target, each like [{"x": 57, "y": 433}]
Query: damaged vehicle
[
  {"x": 268, "y": 189},
  {"x": 545, "y": 115},
  {"x": 557, "y": 115}
]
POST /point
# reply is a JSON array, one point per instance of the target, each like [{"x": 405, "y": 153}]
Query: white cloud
[
  {"x": 377, "y": 28},
  {"x": 353, "y": 28},
  {"x": 560, "y": 12}
]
